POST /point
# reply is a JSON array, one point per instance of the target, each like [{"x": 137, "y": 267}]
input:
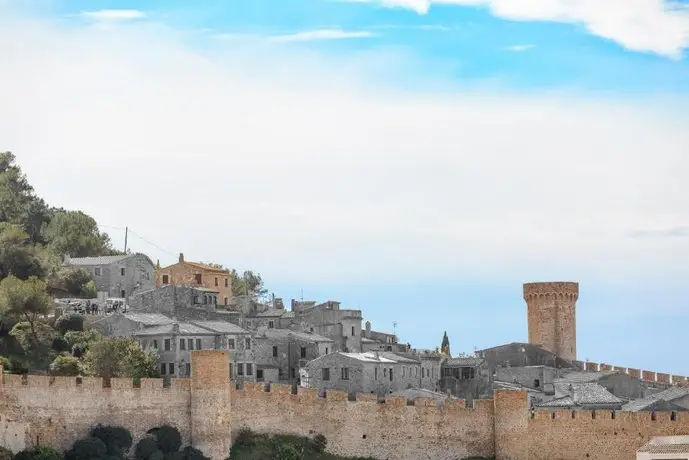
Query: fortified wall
[
  {"x": 646, "y": 376},
  {"x": 208, "y": 409}
]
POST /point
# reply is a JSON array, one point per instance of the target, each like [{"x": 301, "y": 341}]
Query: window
[
  {"x": 190, "y": 342},
  {"x": 205, "y": 300},
  {"x": 122, "y": 271},
  {"x": 271, "y": 324},
  {"x": 123, "y": 294},
  {"x": 187, "y": 370},
  {"x": 345, "y": 373},
  {"x": 240, "y": 369},
  {"x": 259, "y": 374},
  {"x": 155, "y": 344},
  {"x": 198, "y": 344},
  {"x": 352, "y": 331},
  {"x": 196, "y": 300},
  {"x": 163, "y": 368},
  {"x": 198, "y": 278},
  {"x": 390, "y": 375},
  {"x": 230, "y": 344},
  {"x": 249, "y": 369},
  {"x": 248, "y": 343},
  {"x": 167, "y": 344},
  {"x": 326, "y": 350},
  {"x": 182, "y": 344},
  {"x": 231, "y": 371},
  {"x": 275, "y": 351},
  {"x": 226, "y": 300},
  {"x": 216, "y": 281},
  {"x": 166, "y": 279},
  {"x": 385, "y": 372},
  {"x": 96, "y": 271},
  {"x": 536, "y": 383},
  {"x": 227, "y": 284},
  {"x": 294, "y": 373},
  {"x": 325, "y": 373},
  {"x": 375, "y": 373},
  {"x": 403, "y": 371},
  {"x": 172, "y": 369},
  {"x": 303, "y": 352}
]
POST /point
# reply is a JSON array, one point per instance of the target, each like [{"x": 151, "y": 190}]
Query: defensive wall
[
  {"x": 208, "y": 409},
  {"x": 647, "y": 376}
]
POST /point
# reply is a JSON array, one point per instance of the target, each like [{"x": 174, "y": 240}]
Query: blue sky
[{"x": 416, "y": 159}]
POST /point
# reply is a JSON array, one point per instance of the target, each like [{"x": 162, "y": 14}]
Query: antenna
[
  {"x": 394, "y": 328},
  {"x": 126, "y": 234}
]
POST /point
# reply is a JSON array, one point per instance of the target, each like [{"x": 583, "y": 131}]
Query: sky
[{"x": 415, "y": 159}]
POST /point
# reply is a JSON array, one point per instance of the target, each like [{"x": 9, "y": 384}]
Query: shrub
[
  {"x": 69, "y": 322},
  {"x": 39, "y": 453},
  {"x": 6, "y": 454},
  {"x": 168, "y": 437},
  {"x": 145, "y": 448},
  {"x": 191, "y": 453},
  {"x": 289, "y": 452},
  {"x": 6, "y": 364},
  {"x": 117, "y": 440},
  {"x": 319, "y": 443},
  {"x": 59, "y": 344},
  {"x": 87, "y": 449},
  {"x": 65, "y": 365},
  {"x": 245, "y": 437}
]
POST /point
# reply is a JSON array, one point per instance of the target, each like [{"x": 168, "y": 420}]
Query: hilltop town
[{"x": 77, "y": 310}]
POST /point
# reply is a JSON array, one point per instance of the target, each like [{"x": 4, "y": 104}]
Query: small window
[
  {"x": 227, "y": 284},
  {"x": 403, "y": 371},
  {"x": 385, "y": 372},
  {"x": 303, "y": 352},
  {"x": 123, "y": 294},
  {"x": 390, "y": 375},
  {"x": 240, "y": 369},
  {"x": 122, "y": 271},
  {"x": 166, "y": 279},
  {"x": 275, "y": 351},
  {"x": 226, "y": 300},
  {"x": 271, "y": 324},
  {"x": 198, "y": 278},
  {"x": 182, "y": 344},
  {"x": 248, "y": 343},
  {"x": 352, "y": 331},
  {"x": 249, "y": 369},
  {"x": 205, "y": 300},
  {"x": 230, "y": 344},
  {"x": 325, "y": 374},
  {"x": 196, "y": 300},
  {"x": 167, "y": 344},
  {"x": 187, "y": 369},
  {"x": 172, "y": 369},
  {"x": 326, "y": 350},
  {"x": 163, "y": 368},
  {"x": 345, "y": 373},
  {"x": 536, "y": 383},
  {"x": 259, "y": 374},
  {"x": 198, "y": 344},
  {"x": 155, "y": 344},
  {"x": 216, "y": 281},
  {"x": 97, "y": 271},
  {"x": 375, "y": 373},
  {"x": 190, "y": 342}
]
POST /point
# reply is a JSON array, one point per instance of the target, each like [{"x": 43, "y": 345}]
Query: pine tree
[{"x": 445, "y": 345}]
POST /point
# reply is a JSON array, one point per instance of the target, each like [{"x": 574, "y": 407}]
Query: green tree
[
  {"x": 65, "y": 365},
  {"x": 119, "y": 357},
  {"x": 74, "y": 281},
  {"x": 445, "y": 345},
  {"x": 76, "y": 233},
  {"x": 80, "y": 341},
  {"x": 18, "y": 257},
  {"x": 39, "y": 453},
  {"x": 27, "y": 302},
  {"x": 248, "y": 283},
  {"x": 69, "y": 322}
]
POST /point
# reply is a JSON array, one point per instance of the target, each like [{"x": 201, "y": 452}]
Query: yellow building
[{"x": 197, "y": 274}]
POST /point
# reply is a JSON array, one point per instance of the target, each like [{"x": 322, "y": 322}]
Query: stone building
[
  {"x": 126, "y": 324},
  {"x": 187, "y": 303},
  {"x": 116, "y": 276},
  {"x": 517, "y": 354},
  {"x": 381, "y": 341},
  {"x": 673, "y": 399},
  {"x": 581, "y": 396},
  {"x": 287, "y": 352},
  {"x": 328, "y": 320},
  {"x": 372, "y": 372},
  {"x": 466, "y": 377},
  {"x": 186, "y": 273},
  {"x": 173, "y": 343}
]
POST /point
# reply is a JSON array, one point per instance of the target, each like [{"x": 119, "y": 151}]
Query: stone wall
[{"x": 207, "y": 409}]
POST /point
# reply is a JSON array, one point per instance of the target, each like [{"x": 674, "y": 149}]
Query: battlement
[
  {"x": 556, "y": 289},
  {"x": 91, "y": 383},
  {"x": 661, "y": 378},
  {"x": 604, "y": 416}
]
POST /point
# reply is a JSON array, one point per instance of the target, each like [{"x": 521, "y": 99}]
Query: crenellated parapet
[{"x": 551, "y": 290}]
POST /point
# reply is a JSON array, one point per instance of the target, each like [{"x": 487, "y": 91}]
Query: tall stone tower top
[{"x": 552, "y": 316}]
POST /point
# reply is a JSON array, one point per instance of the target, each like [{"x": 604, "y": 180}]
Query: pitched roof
[
  {"x": 168, "y": 329},
  {"x": 581, "y": 394},
  {"x": 396, "y": 357},
  {"x": 299, "y": 335},
  {"x": 207, "y": 267},
  {"x": 466, "y": 362},
  {"x": 584, "y": 376},
  {"x": 148, "y": 319},
  {"x": 666, "y": 445},
  {"x": 222, "y": 327},
  {"x": 369, "y": 357},
  {"x": 668, "y": 395},
  {"x": 100, "y": 260},
  {"x": 269, "y": 313},
  {"x": 415, "y": 393}
]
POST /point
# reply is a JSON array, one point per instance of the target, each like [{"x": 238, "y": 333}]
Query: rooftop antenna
[{"x": 394, "y": 328}]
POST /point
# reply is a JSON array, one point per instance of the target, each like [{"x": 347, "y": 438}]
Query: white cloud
[
  {"x": 113, "y": 15},
  {"x": 308, "y": 167},
  {"x": 657, "y": 26},
  {"x": 321, "y": 34},
  {"x": 519, "y": 48}
]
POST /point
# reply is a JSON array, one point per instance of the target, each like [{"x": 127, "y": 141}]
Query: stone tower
[{"x": 552, "y": 316}]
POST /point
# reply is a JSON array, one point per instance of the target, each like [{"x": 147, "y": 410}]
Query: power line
[{"x": 139, "y": 237}]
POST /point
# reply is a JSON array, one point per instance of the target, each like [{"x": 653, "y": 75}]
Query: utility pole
[{"x": 126, "y": 233}]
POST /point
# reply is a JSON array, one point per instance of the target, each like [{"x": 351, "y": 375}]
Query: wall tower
[{"x": 552, "y": 316}]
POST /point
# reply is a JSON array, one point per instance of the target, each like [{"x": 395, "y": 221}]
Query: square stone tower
[{"x": 552, "y": 316}]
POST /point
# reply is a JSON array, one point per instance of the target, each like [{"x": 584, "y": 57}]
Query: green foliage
[
  {"x": 248, "y": 283},
  {"x": 119, "y": 357},
  {"x": 35, "y": 338},
  {"x": 18, "y": 256},
  {"x": 65, "y": 365},
  {"x": 76, "y": 233},
  {"x": 320, "y": 443},
  {"x": 168, "y": 438},
  {"x": 163, "y": 443},
  {"x": 60, "y": 345},
  {"x": 6, "y": 364},
  {"x": 145, "y": 448},
  {"x": 6, "y": 454},
  {"x": 74, "y": 281},
  {"x": 89, "y": 290},
  {"x": 188, "y": 453},
  {"x": 69, "y": 322},
  {"x": 87, "y": 449},
  {"x": 39, "y": 453},
  {"x": 117, "y": 439}
]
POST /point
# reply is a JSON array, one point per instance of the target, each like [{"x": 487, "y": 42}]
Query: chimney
[
  {"x": 277, "y": 303},
  {"x": 66, "y": 259},
  {"x": 368, "y": 330},
  {"x": 181, "y": 257},
  {"x": 158, "y": 264},
  {"x": 175, "y": 328}
]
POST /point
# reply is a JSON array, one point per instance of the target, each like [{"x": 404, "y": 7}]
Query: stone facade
[
  {"x": 117, "y": 276},
  {"x": 328, "y": 320},
  {"x": 552, "y": 316},
  {"x": 467, "y": 378},
  {"x": 288, "y": 351},
  {"x": 196, "y": 274},
  {"x": 207, "y": 410}
]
